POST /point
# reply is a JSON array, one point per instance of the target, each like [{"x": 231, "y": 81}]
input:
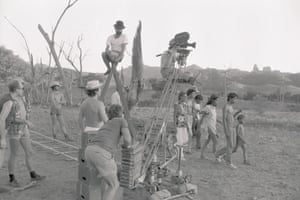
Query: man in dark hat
[{"x": 115, "y": 46}]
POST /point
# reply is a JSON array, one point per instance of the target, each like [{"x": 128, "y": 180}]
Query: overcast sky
[{"x": 229, "y": 33}]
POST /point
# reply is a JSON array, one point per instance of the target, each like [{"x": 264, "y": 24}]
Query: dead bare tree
[
  {"x": 51, "y": 44},
  {"x": 32, "y": 90},
  {"x": 51, "y": 70},
  {"x": 71, "y": 61}
]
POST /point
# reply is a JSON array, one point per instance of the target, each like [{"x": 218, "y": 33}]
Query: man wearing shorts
[
  {"x": 14, "y": 123},
  {"x": 99, "y": 153},
  {"x": 57, "y": 99}
]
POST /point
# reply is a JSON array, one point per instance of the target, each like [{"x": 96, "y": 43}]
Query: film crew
[
  {"x": 14, "y": 123},
  {"x": 115, "y": 46}
]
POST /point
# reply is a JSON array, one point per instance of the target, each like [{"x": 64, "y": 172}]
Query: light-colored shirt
[
  {"x": 109, "y": 135},
  {"x": 115, "y": 44},
  {"x": 57, "y": 99},
  {"x": 210, "y": 120},
  {"x": 115, "y": 98},
  {"x": 168, "y": 59}
]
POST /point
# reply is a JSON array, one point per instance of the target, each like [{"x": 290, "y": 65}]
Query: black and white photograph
[{"x": 149, "y": 100}]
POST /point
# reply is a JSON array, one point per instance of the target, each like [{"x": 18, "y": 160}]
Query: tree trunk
[
  {"x": 105, "y": 87},
  {"x": 56, "y": 60},
  {"x": 124, "y": 102}
]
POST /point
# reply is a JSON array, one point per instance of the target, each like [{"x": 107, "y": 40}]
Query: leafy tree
[{"x": 10, "y": 64}]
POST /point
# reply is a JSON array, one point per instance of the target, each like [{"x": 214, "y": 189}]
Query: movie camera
[{"x": 180, "y": 44}]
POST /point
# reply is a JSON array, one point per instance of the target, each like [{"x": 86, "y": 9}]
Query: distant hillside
[
  {"x": 149, "y": 72},
  {"x": 263, "y": 81}
]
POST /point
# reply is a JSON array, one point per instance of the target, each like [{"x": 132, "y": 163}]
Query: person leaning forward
[
  {"x": 100, "y": 151},
  {"x": 115, "y": 46},
  {"x": 14, "y": 123}
]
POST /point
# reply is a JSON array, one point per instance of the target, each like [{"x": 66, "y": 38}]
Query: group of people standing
[
  {"x": 192, "y": 120},
  {"x": 107, "y": 123},
  {"x": 109, "y": 126}
]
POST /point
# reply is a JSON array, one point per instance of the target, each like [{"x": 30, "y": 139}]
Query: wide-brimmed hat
[
  {"x": 94, "y": 84},
  {"x": 55, "y": 83},
  {"x": 119, "y": 24}
]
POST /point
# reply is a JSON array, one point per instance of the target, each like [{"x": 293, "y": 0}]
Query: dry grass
[{"x": 273, "y": 144}]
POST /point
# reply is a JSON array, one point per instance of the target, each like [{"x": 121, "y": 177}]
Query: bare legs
[
  {"x": 106, "y": 61},
  {"x": 61, "y": 123},
  {"x": 211, "y": 137}
]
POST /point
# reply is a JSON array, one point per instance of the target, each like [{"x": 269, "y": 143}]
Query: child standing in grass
[{"x": 240, "y": 140}]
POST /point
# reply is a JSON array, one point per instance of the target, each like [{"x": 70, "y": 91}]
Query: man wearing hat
[
  {"x": 115, "y": 46},
  {"x": 57, "y": 100},
  {"x": 92, "y": 111}
]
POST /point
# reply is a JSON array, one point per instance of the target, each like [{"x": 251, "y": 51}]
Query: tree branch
[
  {"x": 68, "y": 58},
  {"x": 22, "y": 35},
  {"x": 70, "y": 4},
  {"x": 81, "y": 57}
]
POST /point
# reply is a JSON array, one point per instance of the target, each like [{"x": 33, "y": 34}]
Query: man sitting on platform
[{"x": 115, "y": 47}]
